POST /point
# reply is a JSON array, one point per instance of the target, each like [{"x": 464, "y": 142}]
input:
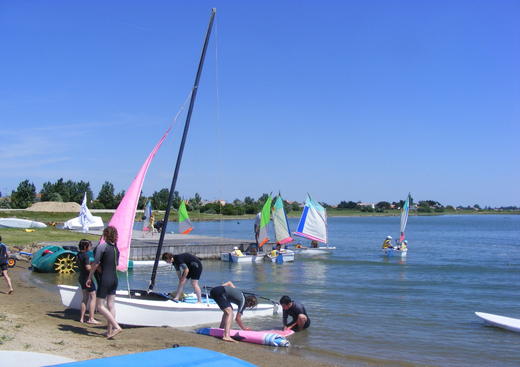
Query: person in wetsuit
[
  {"x": 106, "y": 257},
  {"x": 89, "y": 293},
  {"x": 187, "y": 266},
  {"x": 226, "y": 294},
  {"x": 4, "y": 261},
  {"x": 300, "y": 319}
]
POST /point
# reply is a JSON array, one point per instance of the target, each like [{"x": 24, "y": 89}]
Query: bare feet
[
  {"x": 226, "y": 339},
  {"x": 114, "y": 333},
  {"x": 81, "y": 321},
  {"x": 10, "y": 291},
  {"x": 93, "y": 321}
]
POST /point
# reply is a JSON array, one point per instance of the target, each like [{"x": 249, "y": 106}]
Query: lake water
[{"x": 367, "y": 310}]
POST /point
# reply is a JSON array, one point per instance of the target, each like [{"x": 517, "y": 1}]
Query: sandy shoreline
[{"x": 33, "y": 319}]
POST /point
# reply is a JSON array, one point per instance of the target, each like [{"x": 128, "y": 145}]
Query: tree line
[{"x": 70, "y": 191}]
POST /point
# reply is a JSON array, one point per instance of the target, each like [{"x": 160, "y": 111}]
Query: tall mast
[{"x": 181, "y": 149}]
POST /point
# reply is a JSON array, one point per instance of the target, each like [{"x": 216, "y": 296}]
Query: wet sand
[{"x": 34, "y": 320}]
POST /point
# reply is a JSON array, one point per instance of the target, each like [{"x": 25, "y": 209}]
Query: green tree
[
  {"x": 24, "y": 196},
  {"x": 160, "y": 199},
  {"x": 142, "y": 201},
  {"x": 106, "y": 195},
  {"x": 196, "y": 202},
  {"x": 348, "y": 205},
  {"x": 117, "y": 199},
  {"x": 383, "y": 205}
]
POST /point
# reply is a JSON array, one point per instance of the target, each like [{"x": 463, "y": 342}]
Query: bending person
[
  {"x": 300, "y": 319},
  {"x": 226, "y": 294},
  {"x": 106, "y": 257},
  {"x": 187, "y": 266}
]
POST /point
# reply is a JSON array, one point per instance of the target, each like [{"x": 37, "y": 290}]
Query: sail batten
[{"x": 313, "y": 222}]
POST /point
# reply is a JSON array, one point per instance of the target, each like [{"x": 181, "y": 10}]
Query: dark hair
[
  {"x": 84, "y": 244},
  {"x": 110, "y": 234},
  {"x": 167, "y": 256},
  {"x": 251, "y": 301},
  {"x": 285, "y": 300}
]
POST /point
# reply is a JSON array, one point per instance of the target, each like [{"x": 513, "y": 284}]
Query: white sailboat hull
[
  {"x": 20, "y": 223},
  {"x": 75, "y": 224},
  {"x": 314, "y": 251},
  {"x": 230, "y": 257},
  {"x": 140, "y": 312},
  {"x": 394, "y": 252},
  {"x": 504, "y": 322}
]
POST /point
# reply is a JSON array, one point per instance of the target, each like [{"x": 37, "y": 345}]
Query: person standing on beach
[
  {"x": 187, "y": 266},
  {"x": 4, "y": 259},
  {"x": 300, "y": 319},
  {"x": 106, "y": 257},
  {"x": 89, "y": 293},
  {"x": 258, "y": 219},
  {"x": 226, "y": 294}
]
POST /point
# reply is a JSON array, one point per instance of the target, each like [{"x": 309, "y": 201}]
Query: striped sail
[
  {"x": 404, "y": 217},
  {"x": 185, "y": 226},
  {"x": 281, "y": 225},
  {"x": 263, "y": 236},
  {"x": 313, "y": 222},
  {"x": 124, "y": 216},
  {"x": 147, "y": 215}
]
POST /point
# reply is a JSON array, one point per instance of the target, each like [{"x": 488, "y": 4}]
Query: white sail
[{"x": 313, "y": 222}]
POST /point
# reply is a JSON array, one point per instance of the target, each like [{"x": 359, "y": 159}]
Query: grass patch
[
  {"x": 27, "y": 346},
  {"x": 5, "y": 339},
  {"x": 18, "y": 237}
]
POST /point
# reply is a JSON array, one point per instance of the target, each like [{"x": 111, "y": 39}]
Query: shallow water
[{"x": 369, "y": 310}]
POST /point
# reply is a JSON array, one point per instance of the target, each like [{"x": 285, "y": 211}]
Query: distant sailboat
[
  {"x": 281, "y": 225},
  {"x": 313, "y": 226},
  {"x": 265, "y": 217},
  {"x": 146, "y": 216},
  {"x": 401, "y": 249},
  {"x": 185, "y": 225}
]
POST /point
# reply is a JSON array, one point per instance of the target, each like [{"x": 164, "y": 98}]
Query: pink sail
[{"x": 123, "y": 218}]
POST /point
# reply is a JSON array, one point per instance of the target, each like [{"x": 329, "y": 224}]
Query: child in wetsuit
[{"x": 89, "y": 292}]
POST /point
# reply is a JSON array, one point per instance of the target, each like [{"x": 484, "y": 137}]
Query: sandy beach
[{"x": 33, "y": 319}]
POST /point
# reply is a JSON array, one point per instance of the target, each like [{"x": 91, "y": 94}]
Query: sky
[{"x": 345, "y": 100}]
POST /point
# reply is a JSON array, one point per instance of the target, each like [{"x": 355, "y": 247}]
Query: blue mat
[{"x": 182, "y": 356}]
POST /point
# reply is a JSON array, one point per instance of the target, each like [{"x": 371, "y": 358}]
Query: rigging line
[{"x": 218, "y": 131}]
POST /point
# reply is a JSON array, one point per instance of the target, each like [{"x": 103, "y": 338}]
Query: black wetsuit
[
  {"x": 225, "y": 295},
  {"x": 186, "y": 260},
  {"x": 3, "y": 257},
  {"x": 107, "y": 255},
  {"x": 296, "y": 309},
  {"x": 83, "y": 261}
]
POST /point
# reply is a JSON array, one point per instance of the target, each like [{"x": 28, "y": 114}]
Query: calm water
[{"x": 369, "y": 310}]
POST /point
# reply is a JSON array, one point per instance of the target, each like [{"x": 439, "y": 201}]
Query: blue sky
[{"x": 346, "y": 100}]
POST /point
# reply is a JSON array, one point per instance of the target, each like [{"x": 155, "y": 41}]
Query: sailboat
[
  {"x": 145, "y": 307},
  {"x": 146, "y": 216},
  {"x": 263, "y": 218},
  {"x": 282, "y": 234},
  {"x": 85, "y": 220},
  {"x": 313, "y": 226},
  {"x": 185, "y": 225},
  {"x": 402, "y": 245}
]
